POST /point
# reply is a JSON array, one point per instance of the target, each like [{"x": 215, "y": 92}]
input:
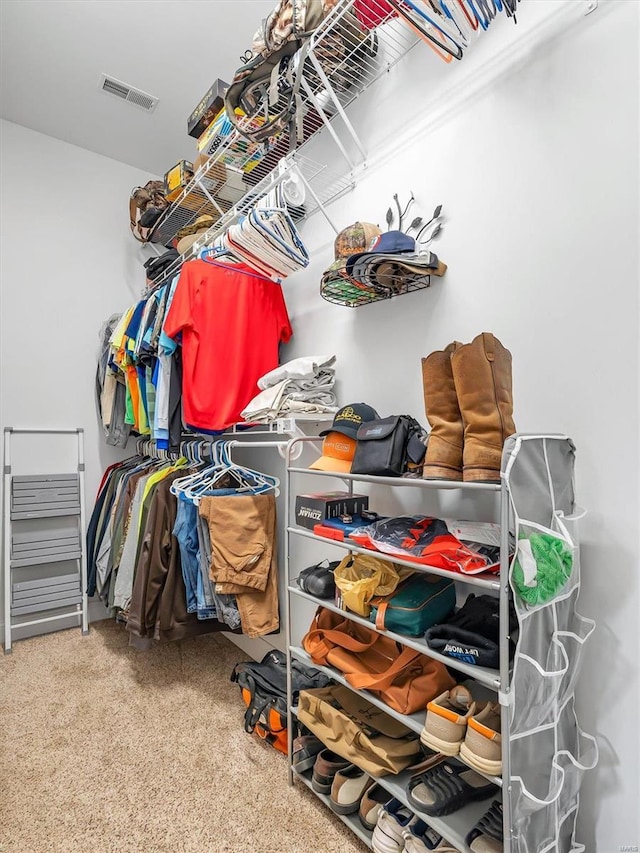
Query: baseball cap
[
  {"x": 347, "y": 419},
  {"x": 355, "y": 238},
  {"x": 338, "y": 451},
  {"x": 389, "y": 243}
]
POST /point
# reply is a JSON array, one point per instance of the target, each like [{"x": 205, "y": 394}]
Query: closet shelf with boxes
[{"x": 350, "y": 49}]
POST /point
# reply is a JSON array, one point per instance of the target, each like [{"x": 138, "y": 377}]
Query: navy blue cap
[
  {"x": 389, "y": 243},
  {"x": 349, "y": 418}
]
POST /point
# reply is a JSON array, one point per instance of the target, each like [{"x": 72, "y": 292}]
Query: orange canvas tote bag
[{"x": 402, "y": 678}]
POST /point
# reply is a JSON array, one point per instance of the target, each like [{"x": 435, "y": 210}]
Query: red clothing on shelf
[{"x": 232, "y": 322}]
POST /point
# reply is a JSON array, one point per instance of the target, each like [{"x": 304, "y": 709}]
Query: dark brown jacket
[{"x": 158, "y": 606}]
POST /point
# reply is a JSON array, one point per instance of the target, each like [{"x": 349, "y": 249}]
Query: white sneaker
[{"x": 393, "y": 820}]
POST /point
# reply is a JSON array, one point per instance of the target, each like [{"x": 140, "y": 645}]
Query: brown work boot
[
  {"x": 482, "y": 376},
  {"x": 443, "y": 460}
]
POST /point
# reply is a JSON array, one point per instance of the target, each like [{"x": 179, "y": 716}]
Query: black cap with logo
[{"x": 349, "y": 418}]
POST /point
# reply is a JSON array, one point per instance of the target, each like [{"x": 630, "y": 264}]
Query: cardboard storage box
[
  {"x": 207, "y": 109},
  {"x": 176, "y": 179},
  {"x": 316, "y": 508}
]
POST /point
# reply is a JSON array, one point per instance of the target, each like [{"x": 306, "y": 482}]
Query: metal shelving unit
[{"x": 456, "y": 826}]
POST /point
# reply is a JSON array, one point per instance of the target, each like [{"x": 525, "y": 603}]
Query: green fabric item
[
  {"x": 416, "y": 605},
  {"x": 554, "y": 561},
  {"x": 129, "y": 416}
]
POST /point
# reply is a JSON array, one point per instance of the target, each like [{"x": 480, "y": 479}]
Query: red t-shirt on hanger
[{"x": 232, "y": 321}]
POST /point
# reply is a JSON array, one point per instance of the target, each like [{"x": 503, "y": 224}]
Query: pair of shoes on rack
[
  {"x": 345, "y": 783},
  {"x": 455, "y": 723},
  {"x": 446, "y": 788},
  {"x": 398, "y": 830}
]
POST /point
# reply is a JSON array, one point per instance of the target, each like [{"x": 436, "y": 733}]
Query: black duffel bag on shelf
[{"x": 389, "y": 447}]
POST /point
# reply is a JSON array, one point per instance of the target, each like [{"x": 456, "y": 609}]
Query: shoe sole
[
  {"x": 484, "y": 765},
  {"x": 348, "y": 808},
  {"x": 319, "y": 787},
  {"x": 446, "y": 747},
  {"x": 304, "y": 764}
]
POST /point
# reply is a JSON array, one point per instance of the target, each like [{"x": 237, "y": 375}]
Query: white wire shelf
[
  {"x": 339, "y": 67},
  {"x": 489, "y": 677},
  {"x": 401, "y": 481},
  {"x": 484, "y": 580}
]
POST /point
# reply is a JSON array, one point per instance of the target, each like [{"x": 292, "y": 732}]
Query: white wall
[
  {"x": 68, "y": 263},
  {"x": 538, "y": 177}
]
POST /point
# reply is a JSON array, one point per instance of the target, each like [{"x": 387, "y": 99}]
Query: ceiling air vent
[{"x": 127, "y": 93}]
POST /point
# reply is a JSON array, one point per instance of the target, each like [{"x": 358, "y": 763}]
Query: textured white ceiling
[{"x": 54, "y": 51}]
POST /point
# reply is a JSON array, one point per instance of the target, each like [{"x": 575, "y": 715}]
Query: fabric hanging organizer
[{"x": 549, "y": 752}]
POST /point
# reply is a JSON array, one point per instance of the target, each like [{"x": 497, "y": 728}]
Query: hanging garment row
[
  {"x": 182, "y": 547},
  {"x": 229, "y": 322}
]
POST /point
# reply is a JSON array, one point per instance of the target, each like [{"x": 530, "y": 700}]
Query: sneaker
[
  {"x": 348, "y": 789},
  {"x": 370, "y": 806},
  {"x": 305, "y": 749},
  {"x": 447, "y": 717},
  {"x": 394, "y": 818},
  {"x": 482, "y": 747},
  {"x": 325, "y": 767},
  {"x": 421, "y": 838}
]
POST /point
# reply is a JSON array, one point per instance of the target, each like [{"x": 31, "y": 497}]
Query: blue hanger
[{"x": 207, "y": 254}]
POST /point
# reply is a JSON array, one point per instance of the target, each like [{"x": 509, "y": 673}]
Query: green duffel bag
[{"x": 417, "y": 603}]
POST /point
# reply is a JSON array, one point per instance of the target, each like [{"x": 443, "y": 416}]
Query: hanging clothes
[
  {"x": 150, "y": 554},
  {"x": 199, "y": 343}
]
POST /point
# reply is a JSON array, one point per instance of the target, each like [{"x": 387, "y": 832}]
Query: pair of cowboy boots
[{"x": 469, "y": 405}]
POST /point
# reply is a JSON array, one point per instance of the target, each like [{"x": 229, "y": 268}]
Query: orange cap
[{"x": 338, "y": 451}]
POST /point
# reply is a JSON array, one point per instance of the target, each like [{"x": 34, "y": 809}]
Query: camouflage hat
[{"x": 355, "y": 239}]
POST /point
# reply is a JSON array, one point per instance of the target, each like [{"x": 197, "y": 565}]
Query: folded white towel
[{"x": 305, "y": 367}]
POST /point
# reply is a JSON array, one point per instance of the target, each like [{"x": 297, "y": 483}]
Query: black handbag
[
  {"x": 387, "y": 446},
  {"x": 318, "y": 580}
]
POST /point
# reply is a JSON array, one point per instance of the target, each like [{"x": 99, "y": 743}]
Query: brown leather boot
[
  {"x": 482, "y": 376},
  {"x": 443, "y": 460}
]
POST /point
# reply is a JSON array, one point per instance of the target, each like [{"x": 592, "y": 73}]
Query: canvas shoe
[
  {"x": 447, "y": 717},
  {"x": 482, "y": 747},
  {"x": 393, "y": 820},
  {"x": 347, "y": 789},
  {"x": 370, "y": 804},
  {"x": 325, "y": 767}
]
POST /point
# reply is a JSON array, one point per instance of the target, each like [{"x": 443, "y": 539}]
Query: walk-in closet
[{"x": 319, "y": 397}]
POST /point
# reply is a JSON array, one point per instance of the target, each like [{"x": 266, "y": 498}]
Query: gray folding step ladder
[{"x": 43, "y": 496}]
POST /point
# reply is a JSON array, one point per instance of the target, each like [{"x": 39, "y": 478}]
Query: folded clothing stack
[{"x": 302, "y": 386}]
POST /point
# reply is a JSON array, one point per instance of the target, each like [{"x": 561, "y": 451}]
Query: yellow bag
[{"x": 360, "y": 577}]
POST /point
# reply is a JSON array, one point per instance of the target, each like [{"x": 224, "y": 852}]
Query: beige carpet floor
[{"x": 104, "y": 748}]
